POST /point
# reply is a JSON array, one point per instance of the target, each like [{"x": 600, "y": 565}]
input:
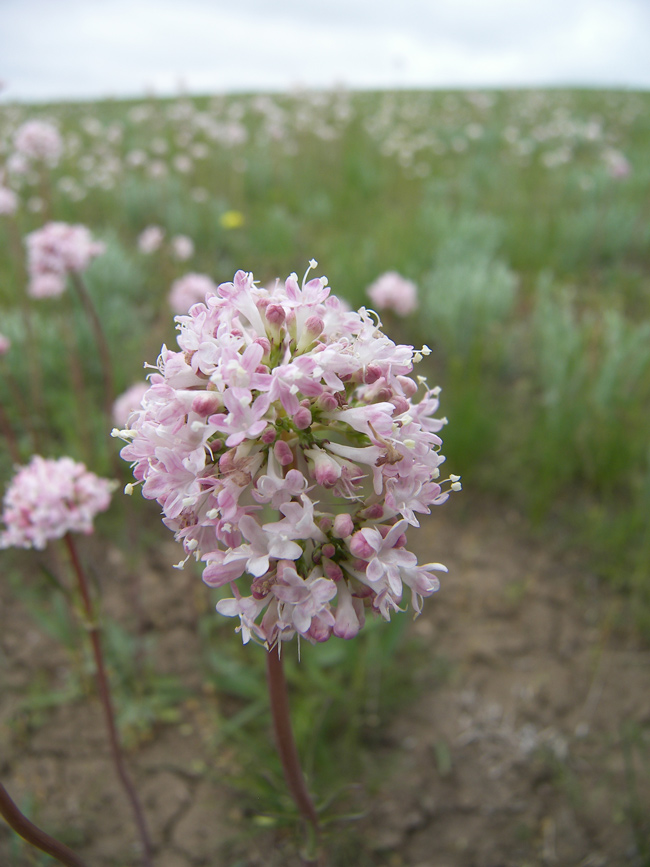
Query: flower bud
[
  {"x": 302, "y": 419},
  {"x": 265, "y": 343},
  {"x": 343, "y": 526},
  {"x": 372, "y": 373},
  {"x": 347, "y": 623},
  {"x": 359, "y": 546},
  {"x": 327, "y": 471},
  {"x": 283, "y": 453},
  {"x": 275, "y": 314},
  {"x": 332, "y": 570},
  {"x": 409, "y": 386},
  {"x": 313, "y": 328},
  {"x": 207, "y": 403},
  {"x": 401, "y": 404},
  {"x": 319, "y": 630},
  {"x": 327, "y": 402},
  {"x": 227, "y": 460}
]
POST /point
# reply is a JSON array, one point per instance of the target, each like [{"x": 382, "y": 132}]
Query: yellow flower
[{"x": 232, "y": 220}]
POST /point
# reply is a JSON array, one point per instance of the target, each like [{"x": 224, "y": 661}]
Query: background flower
[
  {"x": 48, "y": 498},
  {"x": 393, "y": 292}
]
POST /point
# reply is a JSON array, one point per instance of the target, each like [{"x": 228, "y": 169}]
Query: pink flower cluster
[
  {"x": 39, "y": 140},
  {"x": 180, "y": 246},
  {"x": 48, "y": 498},
  {"x": 55, "y": 251},
  {"x": 286, "y": 442},
  {"x": 8, "y": 201},
  {"x": 391, "y": 291},
  {"x": 189, "y": 289},
  {"x": 150, "y": 239}
]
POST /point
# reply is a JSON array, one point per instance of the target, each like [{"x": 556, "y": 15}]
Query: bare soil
[{"x": 528, "y": 743}]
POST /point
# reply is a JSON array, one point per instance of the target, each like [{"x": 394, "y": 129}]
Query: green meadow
[{"x": 521, "y": 216}]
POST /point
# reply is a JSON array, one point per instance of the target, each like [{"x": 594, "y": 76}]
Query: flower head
[
  {"x": 182, "y": 247},
  {"x": 150, "y": 239},
  {"x": 8, "y": 201},
  {"x": 48, "y": 498},
  {"x": 55, "y": 251},
  {"x": 391, "y": 291},
  {"x": 39, "y": 140},
  {"x": 188, "y": 290},
  {"x": 232, "y": 220},
  {"x": 291, "y": 452}
]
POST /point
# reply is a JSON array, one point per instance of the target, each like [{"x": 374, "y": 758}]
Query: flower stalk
[
  {"x": 10, "y": 437},
  {"x": 19, "y": 823},
  {"x": 285, "y": 741},
  {"x": 106, "y": 701}
]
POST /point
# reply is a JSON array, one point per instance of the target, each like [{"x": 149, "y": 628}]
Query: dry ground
[{"x": 528, "y": 745}]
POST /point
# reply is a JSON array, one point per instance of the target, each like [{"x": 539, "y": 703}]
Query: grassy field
[
  {"x": 524, "y": 220},
  {"x": 521, "y": 216}
]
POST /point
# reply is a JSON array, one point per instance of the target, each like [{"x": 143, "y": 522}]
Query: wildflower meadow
[{"x": 326, "y": 473}]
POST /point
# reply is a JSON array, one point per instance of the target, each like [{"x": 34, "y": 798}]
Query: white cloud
[{"x": 97, "y": 47}]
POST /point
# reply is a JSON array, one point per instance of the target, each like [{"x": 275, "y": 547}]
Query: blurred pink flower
[
  {"x": 39, "y": 140},
  {"x": 55, "y": 251},
  {"x": 188, "y": 290},
  {"x": 46, "y": 285},
  {"x": 391, "y": 291},
  {"x": 182, "y": 247},
  {"x": 150, "y": 239},
  {"x": 48, "y": 498},
  {"x": 8, "y": 201},
  {"x": 5, "y": 344},
  {"x": 17, "y": 164}
]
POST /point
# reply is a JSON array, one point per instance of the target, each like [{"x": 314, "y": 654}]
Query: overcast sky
[{"x": 57, "y": 49}]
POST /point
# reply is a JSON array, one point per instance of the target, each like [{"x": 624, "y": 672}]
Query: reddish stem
[
  {"x": 107, "y": 704},
  {"x": 285, "y": 741},
  {"x": 10, "y": 436},
  {"x": 30, "y": 832}
]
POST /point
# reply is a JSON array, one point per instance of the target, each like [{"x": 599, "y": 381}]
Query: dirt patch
[
  {"x": 533, "y": 751},
  {"x": 528, "y": 743}
]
